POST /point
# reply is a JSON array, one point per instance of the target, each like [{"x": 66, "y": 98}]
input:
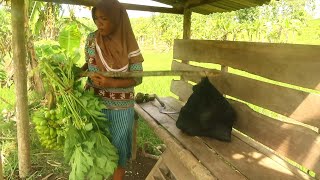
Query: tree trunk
[
  {"x": 36, "y": 78},
  {"x": 20, "y": 77},
  {"x": 36, "y": 81}
]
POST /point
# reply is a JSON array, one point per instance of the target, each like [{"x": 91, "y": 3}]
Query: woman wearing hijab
[{"x": 113, "y": 48}]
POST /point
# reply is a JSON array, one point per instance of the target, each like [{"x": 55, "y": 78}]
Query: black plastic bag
[{"x": 207, "y": 113}]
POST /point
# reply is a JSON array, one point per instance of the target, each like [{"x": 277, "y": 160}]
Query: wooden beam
[
  {"x": 20, "y": 74},
  {"x": 152, "y": 8},
  {"x": 186, "y": 29},
  {"x": 127, "y": 6},
  {"x": 197, "y": 3},
  {"x": 274, "y": 61},
  {"x": 187, "y": 23}
]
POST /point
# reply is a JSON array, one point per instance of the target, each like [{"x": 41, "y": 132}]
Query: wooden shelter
[{"x": 204, "y": 158}]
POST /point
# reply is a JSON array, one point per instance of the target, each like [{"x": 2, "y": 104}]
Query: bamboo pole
[
  {"x": 20, "y": 78},
  {"x": 155, "y": 73}
]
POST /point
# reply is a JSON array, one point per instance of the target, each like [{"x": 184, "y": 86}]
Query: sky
[{"x": 83, "y": 12}]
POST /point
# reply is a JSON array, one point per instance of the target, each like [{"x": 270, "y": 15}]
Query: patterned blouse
[{"x": 114, "y": 98}]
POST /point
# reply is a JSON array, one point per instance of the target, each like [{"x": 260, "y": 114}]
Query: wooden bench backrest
[{"x": 297, "y": 138}]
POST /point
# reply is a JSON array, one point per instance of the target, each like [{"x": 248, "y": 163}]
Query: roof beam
[
  {"x": 127, "y": 6},
  {"x": 197, "y": 3}
]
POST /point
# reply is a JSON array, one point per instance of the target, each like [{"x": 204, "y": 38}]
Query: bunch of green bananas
[{"x": 50, "y": 127}]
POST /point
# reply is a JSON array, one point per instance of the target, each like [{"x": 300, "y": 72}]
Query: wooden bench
[{"x": 285, "y": 145}]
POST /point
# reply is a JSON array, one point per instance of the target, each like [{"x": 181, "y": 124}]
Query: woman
[{"x": 113, "y": 48}]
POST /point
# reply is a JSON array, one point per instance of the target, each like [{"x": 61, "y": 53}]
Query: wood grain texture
[
  {"x": 292, "y": 141},
  {"x": 186, "y": 158},
  {"x": 205, "y": 155},
  {"x": 293, "y": 64},
  {"x": 299, "y": 105},
  {"x": 175, "y": 105},
  {"x": 247, "y": 160}
]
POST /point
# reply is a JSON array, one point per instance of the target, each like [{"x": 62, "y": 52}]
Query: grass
[{"x": 156, "y": 85}]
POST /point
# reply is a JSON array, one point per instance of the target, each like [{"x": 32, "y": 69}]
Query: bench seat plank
[
  {"x": 297, "y": 143},
  {"x": 247, "y": 160},
  {"x": 176, "y": 105},
  {"x": 205, "y": 155}
]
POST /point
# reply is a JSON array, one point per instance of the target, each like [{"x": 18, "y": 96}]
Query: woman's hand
[{"x": 102, "y": 81}]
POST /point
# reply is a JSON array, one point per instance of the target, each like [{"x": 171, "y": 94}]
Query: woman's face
[{"x": 102, "y": 22}]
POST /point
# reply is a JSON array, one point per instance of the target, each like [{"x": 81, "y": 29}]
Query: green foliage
[
  {"x": 43, "y": 18},
  {"x": 70, "y": 37},
  {"x": 3, "y": 74},
  {"x": 48, "y": 49},
  {"x": 278, "y": 22},
  {"x": 159, "y": 29},
  {"x": 93, "y": 158},
  {"x": 310, "y": 34},
  {"x": 79, "y": 116},
  {"x": 72, "y": 117},
  {"x": 147, "y": 139},
  {"x": 7, "y": 99},
  {"x": 5, "y": 33}
]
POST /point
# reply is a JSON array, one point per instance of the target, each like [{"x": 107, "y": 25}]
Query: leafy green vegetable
[{"x": 77, "y": 113}]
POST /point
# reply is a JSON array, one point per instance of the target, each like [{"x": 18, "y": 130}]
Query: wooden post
[
  {"x": 224, "y": 70},
  {"x": 186, "y": 30},
  {"x": 20, "y": 78},
  {"x": 187, "y": 23},
  {"x": 186, "y": 27}
]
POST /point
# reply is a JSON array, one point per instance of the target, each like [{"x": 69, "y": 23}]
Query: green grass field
[{"x": 156, "y": 85}]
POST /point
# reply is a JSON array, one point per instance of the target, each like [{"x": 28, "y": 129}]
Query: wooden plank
[
  {"x": 176, "y": 167},
  {"x": 159, "y": 174},
  {"x": 289, "y": 63},
  {"x": 153, "y": 170},
  {"x": 295, "y": 142},
  {"x": 175, "y": 105},
  {"x": 291, "y": 141},
  {"x": 205, "y": 155},
  {"x": 125, "y": 5},
  {"x": 247, "y": 160},
  {"x": 187, "y": 159},
  {"x": 21, "y": 91},
  {"x": 301, "y": 106}
]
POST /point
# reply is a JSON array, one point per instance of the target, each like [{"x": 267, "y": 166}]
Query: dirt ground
[
  {"x": 136, "y": 170},
  {"x": 140, "y": 168}
]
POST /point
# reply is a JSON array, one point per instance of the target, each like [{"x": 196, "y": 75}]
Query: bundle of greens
[{"x": 72, "y": 119}]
